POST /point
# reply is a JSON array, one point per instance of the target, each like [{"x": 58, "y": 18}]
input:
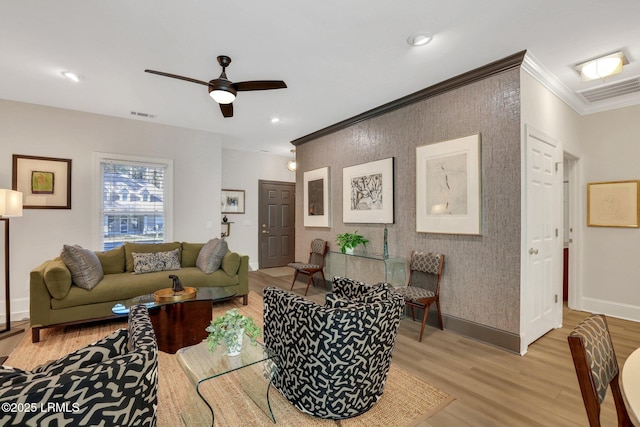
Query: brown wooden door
[{"x": 277, "y": 223}]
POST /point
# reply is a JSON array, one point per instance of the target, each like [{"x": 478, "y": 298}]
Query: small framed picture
[
  {"x": 45, "y": 182},
  {"x": 232, "y": 201},
  {"x": 316, "y": 198}
]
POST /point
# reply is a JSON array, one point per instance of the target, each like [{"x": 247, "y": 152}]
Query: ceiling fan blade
[
  {"x": 227, "y": 110},
  {"x": 260, "y": 85},
  {"x": 175, "y": 76}
]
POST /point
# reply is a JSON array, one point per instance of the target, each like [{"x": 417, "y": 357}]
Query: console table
[{"x": 366, "y": 267}]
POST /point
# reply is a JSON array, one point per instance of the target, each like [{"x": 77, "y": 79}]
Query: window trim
[{"x": 98, "y": 192}]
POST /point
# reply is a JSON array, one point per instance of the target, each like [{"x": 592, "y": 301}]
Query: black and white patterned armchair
[
  {"x": 333, "y": 359},
  {"x": 113, "y": 382}
]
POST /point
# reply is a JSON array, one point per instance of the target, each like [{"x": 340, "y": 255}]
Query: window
[{"x": 136, "y": 200}]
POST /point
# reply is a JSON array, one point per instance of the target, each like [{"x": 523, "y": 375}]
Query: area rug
[{"x": 406, "y": 401}]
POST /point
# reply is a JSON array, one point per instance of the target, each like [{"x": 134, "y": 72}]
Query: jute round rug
[{"x": 407, "y": 400}]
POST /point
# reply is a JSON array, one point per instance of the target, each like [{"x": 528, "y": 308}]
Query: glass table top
[{"x": 210, "y": 293}]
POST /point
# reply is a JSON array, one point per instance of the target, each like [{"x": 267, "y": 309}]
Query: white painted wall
[
  {"x": 51, "y": 132},
  {"x": 611, "y": 268},
  {"x": 241, "y": 170},
  {"x": 605, "y": 146}
]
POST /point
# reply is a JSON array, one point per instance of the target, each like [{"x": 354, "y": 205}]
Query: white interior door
[{"x": 541, "y": 303}]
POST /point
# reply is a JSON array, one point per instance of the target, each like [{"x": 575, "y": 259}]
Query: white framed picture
[
  {"x": 448, "y": 196},
  {"x": 316, "y": 198},
  {"x": 367, "y": 192}
]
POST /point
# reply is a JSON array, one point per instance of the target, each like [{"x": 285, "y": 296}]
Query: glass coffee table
[
  {"x": 178, "y": 324},
  {"x": 253, "y": 370}
]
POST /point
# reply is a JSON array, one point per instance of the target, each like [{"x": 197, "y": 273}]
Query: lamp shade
[{"x": 10, "y": 203}]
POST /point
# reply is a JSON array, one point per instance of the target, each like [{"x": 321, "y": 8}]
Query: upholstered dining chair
[
  {"x": 423, "y": 289},
  {"x": 315, "y": 264},
  {"x": 597, "y": 368}
]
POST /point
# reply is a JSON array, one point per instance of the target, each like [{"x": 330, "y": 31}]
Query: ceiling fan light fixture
[
  {"x": 222, "y": 96},
  {"x": 602, "y": 67},
  {"x": 419, "y": 39}
]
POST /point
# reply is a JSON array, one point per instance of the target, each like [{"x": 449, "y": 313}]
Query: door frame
[{"x": 261, "y": 182}]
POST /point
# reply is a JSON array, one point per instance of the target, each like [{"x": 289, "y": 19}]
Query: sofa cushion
[
  {"x": 211, "y": 255},
  {"x": 231, "y": 263},
  {"x": 118, "y": 287},
  {"x": 155, "y": 261},
  {"x": 190, "y": 252},
  {"x": 130, "y": 248},
  {"x": 57, "y": 278},
  {"x": 112, "y": 261},
  {"x": 86, "y": 270}
]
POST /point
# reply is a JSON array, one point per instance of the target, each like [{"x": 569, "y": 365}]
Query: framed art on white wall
[
  {"x": 367, "y": 192},
  {"x": 448, "y": 197},
  {"x": 316, "y": 198}
]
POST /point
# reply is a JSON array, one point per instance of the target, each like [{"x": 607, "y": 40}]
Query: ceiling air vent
[
  {"x": 139, "y": 114},
  {"x": 623, "y": 87}
]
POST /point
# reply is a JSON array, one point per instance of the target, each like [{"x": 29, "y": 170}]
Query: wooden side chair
[
  {"x": 597, "y": 368},
  {"x": 423, "y": 289},
  {"x": 315, "y": 265}
]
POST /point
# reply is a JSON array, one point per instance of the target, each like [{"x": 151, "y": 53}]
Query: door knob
[
  {"x": 533, "y": 251},
  {"x": 265, "y": 232}
]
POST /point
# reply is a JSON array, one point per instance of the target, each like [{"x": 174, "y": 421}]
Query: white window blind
[{"x": 134, "y": 203}]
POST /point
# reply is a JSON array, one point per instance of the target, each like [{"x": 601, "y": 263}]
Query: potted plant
[
  {"x": 229, "y": 329},
  {"x": 349, "y": 241}
]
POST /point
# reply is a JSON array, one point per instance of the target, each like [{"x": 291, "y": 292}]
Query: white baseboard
[
  {"x": 253, "y": 266},
  {"x": 609, "y": 308},
  {"x": 19, "y": 310}
]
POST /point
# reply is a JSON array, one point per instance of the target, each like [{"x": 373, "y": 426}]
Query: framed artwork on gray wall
[
  {"x": 448, "y": 196},
  {"x": 367, "y": 192},
  {"x": 316, "y": 198}
]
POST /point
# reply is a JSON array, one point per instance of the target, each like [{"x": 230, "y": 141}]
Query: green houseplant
[
  {"x": 349, "y": 241},
  {"x": 230, "y": 329}
]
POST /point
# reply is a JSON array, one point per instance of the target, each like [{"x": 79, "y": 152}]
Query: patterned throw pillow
[
  {"x": 211, "y": 255},
  {"x": 85, "y": 267},
  {"x": 155, "y": 261}
]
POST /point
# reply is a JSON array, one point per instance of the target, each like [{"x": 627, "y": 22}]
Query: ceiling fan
[{"x": 222, "y": 90}]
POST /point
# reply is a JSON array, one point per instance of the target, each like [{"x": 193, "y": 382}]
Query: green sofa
[{"x": 56, "y": 301}]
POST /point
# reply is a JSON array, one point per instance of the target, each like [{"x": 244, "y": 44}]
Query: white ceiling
[{"x": 338, "y": 58}]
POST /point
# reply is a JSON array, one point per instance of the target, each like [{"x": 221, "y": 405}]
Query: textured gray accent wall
[{"x": 482, "y": 273}]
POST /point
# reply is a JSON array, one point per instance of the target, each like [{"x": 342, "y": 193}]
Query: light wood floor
[{"x": 494, "y": 387}]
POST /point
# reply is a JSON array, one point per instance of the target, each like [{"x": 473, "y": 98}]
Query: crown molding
[
  {"x": 505, "y": 64},
  {"x": 541, "y": 74}
]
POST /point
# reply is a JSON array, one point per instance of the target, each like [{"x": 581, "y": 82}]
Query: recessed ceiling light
[
  {"x": 71, "y": 76},
  {"x": 419, "y": 39},
  {"x": 275, "y": 120}
]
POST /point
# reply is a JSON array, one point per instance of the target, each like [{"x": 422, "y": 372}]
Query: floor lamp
[{"x": 10, "y": 206}]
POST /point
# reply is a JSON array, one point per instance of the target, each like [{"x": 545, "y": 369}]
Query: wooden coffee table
[{"x": 179, "y": 324}]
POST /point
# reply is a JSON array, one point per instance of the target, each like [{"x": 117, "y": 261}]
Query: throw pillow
[
  {"x": 130, "y": 248},
  {"x": 85, "y": 267},
  {"x": 57, "y": 278},
  {"x": 156, "y": 261},
  {"x": 231, "y": 263},
  {"x": 190, "y": 253},
  {"x": 112, "y": 261},
  {"x": 211, "y": 255}
]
